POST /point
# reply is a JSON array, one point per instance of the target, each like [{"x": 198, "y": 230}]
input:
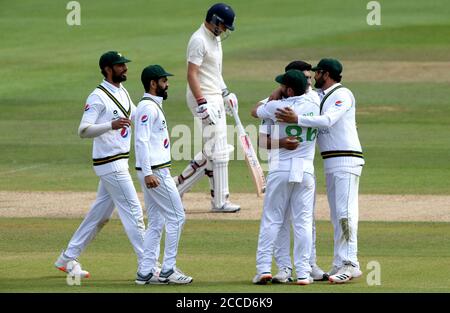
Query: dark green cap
[
  {"x": 294, "y": 79},
  {"x": 110, "y": 58},
  {"x": 329, "y": 65},
  {"x": 153, "y": 72}
]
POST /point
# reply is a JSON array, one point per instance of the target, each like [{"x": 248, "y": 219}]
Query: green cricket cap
[
  {"x": 294, "y": 79},
  {"x": 153, "y": 72},
  {"x": 110, "y": 58},
  {"x": 328, "y": 65}
]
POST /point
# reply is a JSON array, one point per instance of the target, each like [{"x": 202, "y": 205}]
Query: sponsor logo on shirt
[
  {"x": 338, "y": 103},
  {"x": 124, "y": 132},
  {"x": 144, "y": 118},
  {"x": 87, "y": 107},
  {"x": 163, "y": 125},
  {"x": 166, "y": 143}
]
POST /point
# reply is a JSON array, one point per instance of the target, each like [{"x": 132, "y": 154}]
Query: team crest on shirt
[
  {"x": 163, "y": 125},
  {"x": 338, "y": 103},
  {"x": 166, "y": 143},
  {"x": 87, "y": 107},
  {"x": 124, "y": 132},
  {"x": 144, "y": 118}
]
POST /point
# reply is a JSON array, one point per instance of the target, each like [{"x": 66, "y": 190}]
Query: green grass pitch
[
  {"x": 49, "y": 68},
  {"x": 220, "y": 255}
]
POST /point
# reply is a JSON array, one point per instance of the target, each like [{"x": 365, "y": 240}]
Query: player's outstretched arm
[
  {"x": 266, "y": 142},
  {"x": 253, "y": 112}
]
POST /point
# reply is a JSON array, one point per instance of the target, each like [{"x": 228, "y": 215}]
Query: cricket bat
[{"x": 250, "y": 156}]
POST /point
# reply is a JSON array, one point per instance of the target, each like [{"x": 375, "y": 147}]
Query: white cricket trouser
[
  {"x": 342, "y": 192},
  {"x": 164, "y": 207},
  {"x": 215, "y": 148},
  {"x": 156, "y": 219},
  {"x": 114, "y": 190},
  {"x": 283, "y": 198},
  {"x": 283, "y": 245}
]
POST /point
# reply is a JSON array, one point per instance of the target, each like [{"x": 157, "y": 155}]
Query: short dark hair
[
  {"x": 146, "y": 83},
  {"x": 299, "y": 90},
  {"x": 104, "y": 72},
  {"x": 335, "y": 76},
  {"x": 298, "y": 65}
]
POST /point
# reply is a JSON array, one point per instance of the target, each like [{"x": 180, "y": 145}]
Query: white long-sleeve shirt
[
  {"x": 111, "y": 148},
  {"x": 338, "y": 137},
  {"x": 152, "y": 141},
  {"x": 280, "y": 159}
]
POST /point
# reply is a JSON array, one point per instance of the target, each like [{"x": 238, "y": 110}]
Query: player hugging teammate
[
  {"x": 333, "y": 123},
  {"x": 290, "y": 183}
]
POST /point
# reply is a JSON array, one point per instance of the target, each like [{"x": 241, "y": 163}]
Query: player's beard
[
  {"x": 118, "y": 78},
  {"x": 319, "y": 83},
  {"x": 162, "y": 92}
]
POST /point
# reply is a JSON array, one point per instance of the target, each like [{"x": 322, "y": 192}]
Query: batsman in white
[
  {"x": 162, "y": 200},
  {"x": 343, "y": 161},
  {"x": 282, "y": 244},
  {"x": 208, "y": 98},
  {"x": 107, "y": 118},
  {"x": 290, "y": 188}
]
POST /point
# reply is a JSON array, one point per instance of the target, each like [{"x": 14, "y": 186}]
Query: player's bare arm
[
  {"x": 276, "y": 94},
  {"x": 255, "y": 109},
  {"x": 193, "y": 81},
  {"x": 286, "y": 115},
  {"x": 151, "y": 181}
]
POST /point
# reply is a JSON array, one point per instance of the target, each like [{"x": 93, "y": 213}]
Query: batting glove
[
  {"x": 230, "y": 101},
  {"x": 205, "y": 112}
]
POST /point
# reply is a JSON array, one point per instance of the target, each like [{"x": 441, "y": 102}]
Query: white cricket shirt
[
  {"x": 152, "y": 141},
  {"x": 338, "y": 137},
  {"x": 205, "y": 50},
  {"x": 302, "y": 105},
  {"x": 110, "y": 151}
]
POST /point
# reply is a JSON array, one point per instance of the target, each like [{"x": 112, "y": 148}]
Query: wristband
[{"x": 201, "y": 101}]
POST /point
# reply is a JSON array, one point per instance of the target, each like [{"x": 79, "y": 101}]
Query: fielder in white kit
[
  {"x": 206, "y": 96},
  {"x": 343, "y": 161},
  {"x": 162, "y": 200},
  {"x": 283, "y": 242},
  {"x": 107, "y": 118},
  {"x": 290, "y": 182}
]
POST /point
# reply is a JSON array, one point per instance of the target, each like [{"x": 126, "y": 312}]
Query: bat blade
[
  {"x": 250, "y": 156},
  {"x": 253, "y": 164}
]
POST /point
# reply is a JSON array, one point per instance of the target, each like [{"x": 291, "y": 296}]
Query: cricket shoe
[
  {"x": 283, "y": 276},
  {"x": 149, "y": 279},
  {"x": 174, "y": 277},
  {"x": 318, "y": 274},
  {"x": 304, "y": 281},
  {"x": 70, "y": 266},
  {"x": 228, "y": 207},
  {"x": 262, "y": 279},
  {"x": 345, "y": 273},
  {"x": 334, "y": 269}
]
